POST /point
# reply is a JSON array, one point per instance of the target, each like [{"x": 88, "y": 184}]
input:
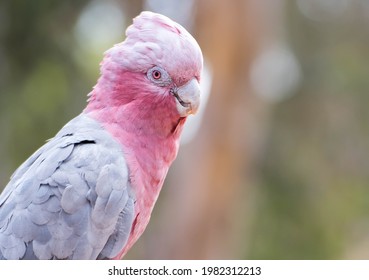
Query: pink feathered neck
[{"x": 148, "y": 130}]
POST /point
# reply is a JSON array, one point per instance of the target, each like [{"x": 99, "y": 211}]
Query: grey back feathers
[{"x": 70, "y": 200}]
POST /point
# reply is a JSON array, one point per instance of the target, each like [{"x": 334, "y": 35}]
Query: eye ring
[{"x": 159, "y": 76}]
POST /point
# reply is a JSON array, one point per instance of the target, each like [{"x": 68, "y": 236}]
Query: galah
[{"x": 88, "y": 193}]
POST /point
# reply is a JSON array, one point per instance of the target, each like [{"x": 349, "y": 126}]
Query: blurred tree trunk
[
  {"x": 207, "y": 190},
  {"x": 131, "y": 9}
]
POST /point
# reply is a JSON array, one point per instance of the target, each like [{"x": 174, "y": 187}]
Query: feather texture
[{"x": 54, "y": 215}]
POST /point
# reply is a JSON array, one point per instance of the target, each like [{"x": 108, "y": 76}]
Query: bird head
[{"x": 158, "y": 65}]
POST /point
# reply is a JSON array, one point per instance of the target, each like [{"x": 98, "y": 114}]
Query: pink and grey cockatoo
[{"x": 88, "y": 192}]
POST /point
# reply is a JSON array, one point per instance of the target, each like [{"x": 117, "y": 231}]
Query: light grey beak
[{"x": 187, "y": 98}]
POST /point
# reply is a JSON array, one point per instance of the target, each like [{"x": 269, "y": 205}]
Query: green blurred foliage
[
  {"x": 314, "y": 190},
  {"x": 38, "y": 89}
]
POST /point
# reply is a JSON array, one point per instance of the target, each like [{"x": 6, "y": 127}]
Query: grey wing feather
[
  {"x": 70, "y": 200},
  {"x": 113, "y": 246}
]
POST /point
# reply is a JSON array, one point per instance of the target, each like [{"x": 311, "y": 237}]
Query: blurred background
[{"x": 276, "y": 165}]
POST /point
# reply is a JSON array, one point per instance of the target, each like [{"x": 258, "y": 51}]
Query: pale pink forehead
[{"x": 154, "y": 39}]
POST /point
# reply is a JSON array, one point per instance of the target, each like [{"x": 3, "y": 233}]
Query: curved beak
[{"x": 187, "y": 98}]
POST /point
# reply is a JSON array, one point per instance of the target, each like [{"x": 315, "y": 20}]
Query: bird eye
[
  {"x": 159, "y": 76},
  {"x": 156, "y": 74}
]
